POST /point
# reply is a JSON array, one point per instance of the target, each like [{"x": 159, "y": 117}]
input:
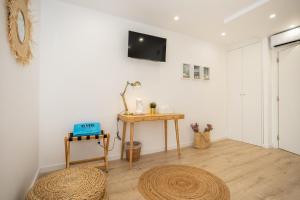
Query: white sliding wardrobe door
[
  {"x": 234, "y": 101},
  {"x": 289, "y": 103},
  {"x": 252, "y": 94}
]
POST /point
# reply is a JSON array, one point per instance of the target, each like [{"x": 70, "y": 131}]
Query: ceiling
[{"x": 204, "y": 19}]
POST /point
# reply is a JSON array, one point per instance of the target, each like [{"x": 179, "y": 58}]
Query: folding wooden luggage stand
[{"x": 104, "y": 138}]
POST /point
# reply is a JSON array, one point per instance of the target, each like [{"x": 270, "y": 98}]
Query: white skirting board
[
  {"x": 49, "y": 168},
  {"x": 57, "y": 166}
]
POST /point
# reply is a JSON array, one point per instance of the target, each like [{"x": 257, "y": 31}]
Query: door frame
[{"x": 275, "y": 91}]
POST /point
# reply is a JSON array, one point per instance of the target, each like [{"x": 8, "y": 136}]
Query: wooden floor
[{"x": 249, "y": 171}]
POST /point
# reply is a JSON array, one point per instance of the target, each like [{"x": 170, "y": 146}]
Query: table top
[{"x": 150, "y": 117}]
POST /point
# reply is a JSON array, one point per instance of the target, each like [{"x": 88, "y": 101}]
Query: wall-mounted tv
[{"x": 146, "y": 47}]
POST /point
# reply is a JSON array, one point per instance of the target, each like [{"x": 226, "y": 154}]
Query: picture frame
[
  {"x": 206, "y": 73},
  {"x": 186, "y": 71},
  {"x": 197, "y": 75}
]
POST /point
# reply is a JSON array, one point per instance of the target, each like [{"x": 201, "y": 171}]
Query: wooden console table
[{"x": 148, "y": 117}]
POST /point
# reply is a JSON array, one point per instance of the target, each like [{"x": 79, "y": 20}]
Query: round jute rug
[
  {"x": 179, "y": 182},
  {"x": 73, "y": 183}
]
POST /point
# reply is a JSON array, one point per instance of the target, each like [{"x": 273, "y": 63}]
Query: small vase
[{"x": 152, "y": 111}]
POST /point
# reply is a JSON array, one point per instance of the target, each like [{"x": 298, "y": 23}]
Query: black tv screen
[{"x": 146, "y": 47}]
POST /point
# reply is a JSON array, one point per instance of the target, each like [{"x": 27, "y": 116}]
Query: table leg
[
  {"x": 177, "y": 137},
  {"x": 131, "y": 144},
  {"x": 66, "y": 151},
  {"x": 166, "y": 135},
  {"x": 123, "y": 139},
  {"x": 68, "y": 154},
  {"x": 106, "y": 148}
]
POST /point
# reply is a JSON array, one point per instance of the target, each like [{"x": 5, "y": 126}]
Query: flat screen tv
[{"x": 146, "y": 47}]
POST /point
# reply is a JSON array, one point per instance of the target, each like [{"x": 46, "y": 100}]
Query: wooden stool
[
  {"x": 74, "y": 183},
  {"x": 102, "y": 137}
]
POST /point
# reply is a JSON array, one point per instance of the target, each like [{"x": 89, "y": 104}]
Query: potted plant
[
  {"x": 152, "y": 108},
  {"x": 202, "y": 139}
]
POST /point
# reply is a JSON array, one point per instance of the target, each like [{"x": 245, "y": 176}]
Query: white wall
[
  {"x": 84, "y": 67},
  {"x": 18, "y": 114}
]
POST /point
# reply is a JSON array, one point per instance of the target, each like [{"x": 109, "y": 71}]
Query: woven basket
[
  {"x": 136, "y": 150},
  {"x": 202, "y": 140}
]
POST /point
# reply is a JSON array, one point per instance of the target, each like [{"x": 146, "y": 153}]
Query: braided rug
[
  {"x": 179, "y": 182},
  {"x": 73, "y": 183}
]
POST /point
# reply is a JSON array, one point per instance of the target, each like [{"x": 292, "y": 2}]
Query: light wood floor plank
[{"x": 251, "y": 172}]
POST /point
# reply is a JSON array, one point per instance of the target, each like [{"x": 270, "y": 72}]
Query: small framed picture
[
  {"x": 206, "y": 72},
  {"x": 197, "y": 72},
  {"x": 186, "y": 71}
]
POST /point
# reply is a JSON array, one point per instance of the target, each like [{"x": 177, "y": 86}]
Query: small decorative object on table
[
  {"x": 139, "y": 106},
  {"x": 153, "y": 108},
  {"x": 202, "y": 140}
]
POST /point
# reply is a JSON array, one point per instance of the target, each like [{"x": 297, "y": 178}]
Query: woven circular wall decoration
[
  {"x": 179, "y": 182},
  {"x": 19, "y": 29},
  {"x": 76, "y": 183}
]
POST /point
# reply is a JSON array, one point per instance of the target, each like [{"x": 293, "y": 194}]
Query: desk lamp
[{"x": 135, "y": 84}]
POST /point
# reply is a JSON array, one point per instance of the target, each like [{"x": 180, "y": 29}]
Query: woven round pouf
[
  {"x": 179, "y": 182},
  {"x": 73, "y": 183}
]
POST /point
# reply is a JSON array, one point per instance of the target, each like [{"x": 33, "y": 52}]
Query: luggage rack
[{"x": 103, "y": 137}]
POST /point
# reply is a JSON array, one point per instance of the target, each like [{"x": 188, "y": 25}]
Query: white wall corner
[{"x": 35, "y": 178}]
